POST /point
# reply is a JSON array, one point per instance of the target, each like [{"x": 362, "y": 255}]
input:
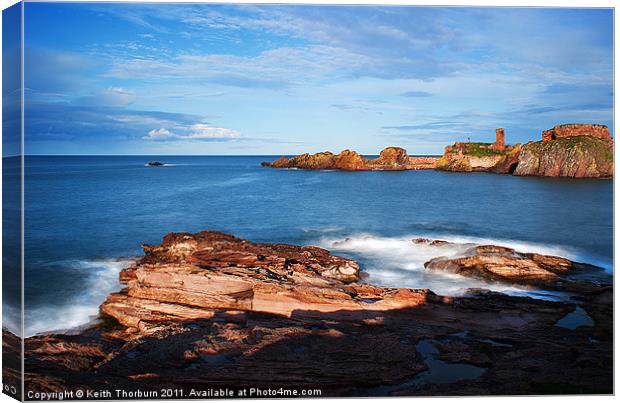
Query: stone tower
[{"x": 499, "y": 140}]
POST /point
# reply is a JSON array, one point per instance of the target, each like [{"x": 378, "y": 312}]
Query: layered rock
[
  {"x": 506, "y": 265},
  {"x": 208, "y": 310},
  {"x": 571, "y": 156},
  {"x": 479, "y": 157},
  {"x": 390, "y": 159},
  {"x": 576, "y": 129},
  {"x": 189, "y": 276}
]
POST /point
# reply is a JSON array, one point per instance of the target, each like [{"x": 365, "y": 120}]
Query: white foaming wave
[
  {"x": 11, "y": 319},
  {"x": 398, "y": 262},
  {"x": 323, "y": 230},
  {"x": 102, "y": 279},
  {"x": 564, "y": 251}
]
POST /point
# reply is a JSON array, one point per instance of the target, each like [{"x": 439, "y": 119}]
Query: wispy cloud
[
  {"x": 198, "y": 131},
  {"x": 329, "y": 76},
  {"x": 416, "y": 94}
]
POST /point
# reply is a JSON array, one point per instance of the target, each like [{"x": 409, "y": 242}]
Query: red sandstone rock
[
  {"x": 480, "y": 157},
  {"x": 499, "y": 145},
  {"x": 421, "y": 163},
  {"x": 570, "y": 156},
  {"x": 434, "y": 242},
  {"x": 350, "y": 161},
  {"x": 210, "y": 310},
  {"x": 506, "y": 336},
  {"x": 576, "y": 129},
  {"x": 391, "y": 159},
  {"x": 505, "y": 265},
  {"x": 190, "y": 276}
]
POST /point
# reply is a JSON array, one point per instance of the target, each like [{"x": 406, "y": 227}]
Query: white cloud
[
  {"x": 198, "y": 131},
  {"x": 111, "y": 96},
  {"x": 274, "y": 68},
  {"x": 203, "y": 131},
  {"x": 158, "y": 134}
]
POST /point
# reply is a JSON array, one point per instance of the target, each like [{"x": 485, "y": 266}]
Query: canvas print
[{"x": 290, "y": 201}]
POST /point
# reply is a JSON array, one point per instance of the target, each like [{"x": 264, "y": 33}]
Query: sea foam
[
  {"x": 102, "y": 279},
  {"x": 398, "y": 262}
]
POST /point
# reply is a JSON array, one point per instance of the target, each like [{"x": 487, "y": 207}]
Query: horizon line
[{"x": 181, "y": 155}]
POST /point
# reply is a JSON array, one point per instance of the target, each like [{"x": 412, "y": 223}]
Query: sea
[{"x": 87, "y": 216}]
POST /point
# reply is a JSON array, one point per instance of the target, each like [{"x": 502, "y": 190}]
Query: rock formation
[
  {"x": 188, "y": 276},
  {"x": 390, "y": 159},
  {"x": 209, "y": 310},
  {"x": 505, "y": 265},
  {"x": 568, "y": 156},
  {"x": 575, "y": 129},
  {"x": 571, "y": 150},
  {"x": 479, "y": 157}
]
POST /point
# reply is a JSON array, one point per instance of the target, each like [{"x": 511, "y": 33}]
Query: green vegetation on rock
[
  {"x": 478, "y": 149},
  {"x": 576, "y": 156}
]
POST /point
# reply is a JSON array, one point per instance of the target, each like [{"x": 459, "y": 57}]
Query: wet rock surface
[
  {"x": 506, "y": 265},
  {"x": 211, "y": 310}
]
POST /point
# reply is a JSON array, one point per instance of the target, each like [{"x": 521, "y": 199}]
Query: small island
[
  {"x": 568, "y": 150},
  {"x": 390, "y": 159}
]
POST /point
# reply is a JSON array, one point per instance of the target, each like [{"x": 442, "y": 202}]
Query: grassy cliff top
[
  {"x": 477, "y": 149},
  {"x": 600, "y": 148}
]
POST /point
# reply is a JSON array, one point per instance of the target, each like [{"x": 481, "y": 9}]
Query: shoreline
[
  {"x": 321, "y": 306},
  {"x": 335, "y": 246}
]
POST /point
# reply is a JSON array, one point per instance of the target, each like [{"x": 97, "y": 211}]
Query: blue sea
[{"x": 87, "y": 216}]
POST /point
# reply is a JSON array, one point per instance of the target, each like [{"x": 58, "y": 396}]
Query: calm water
[{"x": 83, "y": 214}]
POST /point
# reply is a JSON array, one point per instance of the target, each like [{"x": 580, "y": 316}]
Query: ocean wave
[
  {"x": 398, "y": 262},
  {"x": 11, "y": 318},
  {"x": 101, "y": 279},
  {"x": 322, "y": 230}
]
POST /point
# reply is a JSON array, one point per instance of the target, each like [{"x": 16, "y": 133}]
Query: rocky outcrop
[
  {"x": 349, "y": 160},
  {"x": 189, "y": 276},
  {"x": 209, "y": 311},
  {"x": 390, "y": 159},
  {"x": 506, "y": 265},
  {"x": 479, "y": 157},
  {"x": 576, "y": 129},
  {"x": 573, "y": 157}
]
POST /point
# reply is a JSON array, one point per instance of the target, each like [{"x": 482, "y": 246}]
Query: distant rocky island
[
  {"x": 210, "y": 310},
  {"x": 568, "y": 150},
  {"x": 390, "y": 159}
]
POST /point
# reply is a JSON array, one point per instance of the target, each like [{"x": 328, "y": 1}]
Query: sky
[{"x": 123, "y": 78}]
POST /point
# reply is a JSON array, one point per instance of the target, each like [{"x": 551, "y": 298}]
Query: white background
[{"x": 540, "y": 3}]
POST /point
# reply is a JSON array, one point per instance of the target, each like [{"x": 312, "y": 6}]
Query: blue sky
[{"x": 261, "y": 79}]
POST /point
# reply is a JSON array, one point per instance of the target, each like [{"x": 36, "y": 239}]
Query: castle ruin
[
  {"x": 576, "y": 129},
  {"x": 499, "y": 145}
]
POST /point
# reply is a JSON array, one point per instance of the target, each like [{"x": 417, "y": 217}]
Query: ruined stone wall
[
  {"x": 499, "y": 140},
  {"x": 569, "y": 130}
]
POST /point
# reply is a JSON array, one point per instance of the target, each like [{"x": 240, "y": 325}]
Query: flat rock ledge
[
  {"x": 210, "y": 310},
  {"x": 189, "y": 276},
  {"x": 499, "y": 264}
]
